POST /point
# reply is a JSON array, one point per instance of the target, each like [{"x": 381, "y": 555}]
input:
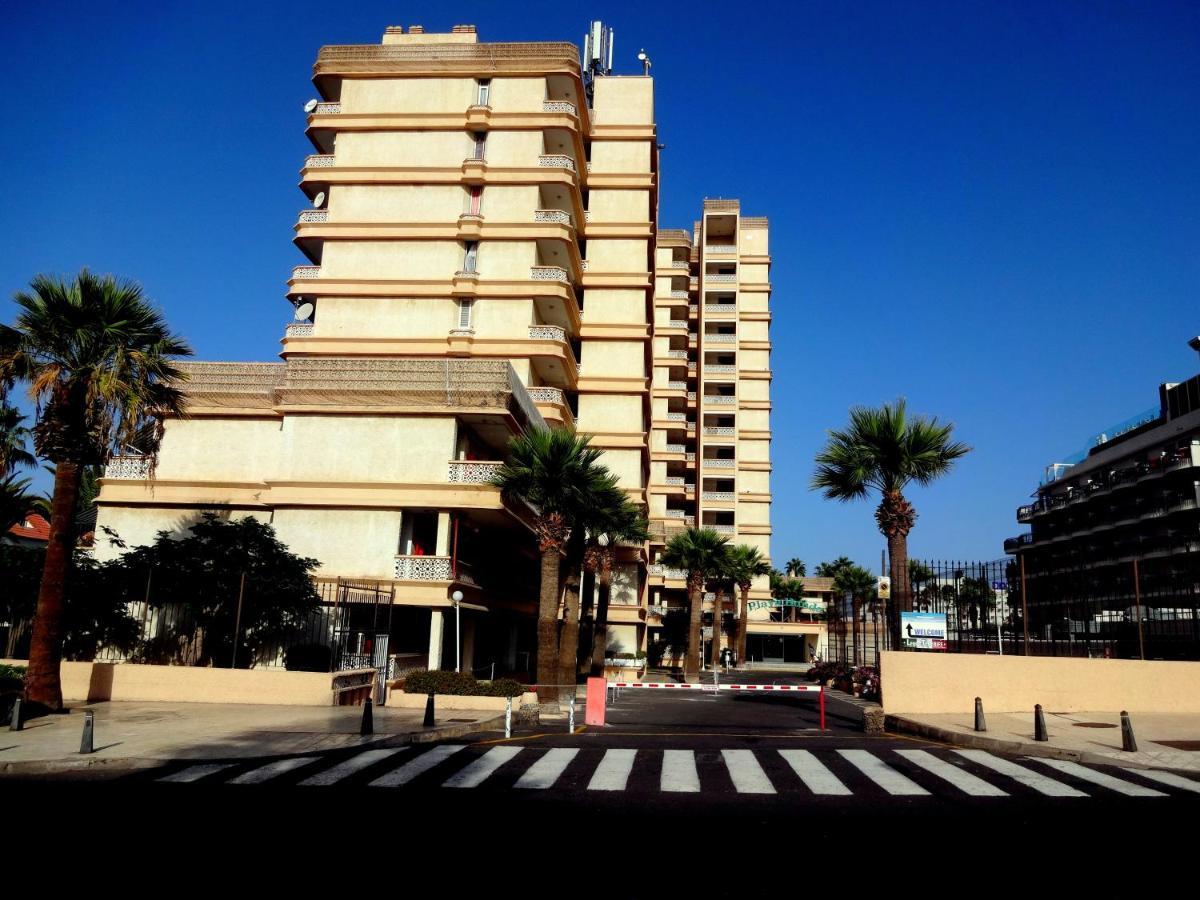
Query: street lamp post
[{"x": 457, "y": 597}]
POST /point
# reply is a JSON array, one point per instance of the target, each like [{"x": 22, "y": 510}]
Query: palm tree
[
  {"x": 99, "y": 361},
  {"x": 746, "y": 563},
  {"x": 701, "y": 553},
  {"x": 886, "y": 450},
  {"x": 13, "y": 435},
  {"x": 622, "y": 523},
  {"x": 558, "y": 473},
  {"x": 796, "y": 568},
  {"x": 861, "y": 585},
  {"x": 15, "y": 502},
  {"x": 830, "y": 569}
]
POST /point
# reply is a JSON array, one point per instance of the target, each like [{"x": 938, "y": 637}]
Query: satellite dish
[
  {"x": 319, "y": 200},
  {"x": 310, "y": 106},
  {"x": 304, "y": 311}
]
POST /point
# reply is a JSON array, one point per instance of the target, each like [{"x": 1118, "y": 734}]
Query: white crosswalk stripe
[
  {"x": 419, "y": 766},
  {"x": 543, "y": 773},
  {"x": 747, "y": 775},
  {"x": 613, "y": 772},
  {"x": 679, "y": 773},
  {"x": 947, "y": 771},
  {"x": 273, "y": 770},
  {"x": 349, "y": 767},
  {"x": 195, "y": 773},
  {"x": 1170, "y": 779},
  {"x": 1083, "y": 773},
  {"x": 883, "y": 775},
  {"x": 1020, "y": 774},
  {"x": 477, "y": 772},
  {"x": 813, "y": 773}
]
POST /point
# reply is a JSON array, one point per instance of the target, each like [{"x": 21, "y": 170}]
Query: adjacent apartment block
[
  {"x": 1111, "y": 563},
  {"x": 481, "y": 257}
]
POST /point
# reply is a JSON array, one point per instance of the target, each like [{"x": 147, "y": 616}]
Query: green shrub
[
  {"x": 12, "y": 673},
  {"x": 309, "y": 658},
  {"x": 460, "y": 684}
]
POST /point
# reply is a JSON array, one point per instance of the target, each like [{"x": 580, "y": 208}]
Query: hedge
[{"x": 460, "y": 683}]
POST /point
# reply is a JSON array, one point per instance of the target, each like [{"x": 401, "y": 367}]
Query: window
[
  {"x": 485, "y": 89},
  {"x": 474, "y": 199},
  {"x": 471, "y": 257},
  {"x": 464, "y": 313},
  {"x": 480, "y": 139}
]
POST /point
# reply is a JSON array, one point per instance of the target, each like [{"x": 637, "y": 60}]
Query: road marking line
[
  {"x": 679, "y": 773},
  {"x": 747, "y": 775},
  {"x": 964, "y": 781},
  {"x": 272, "y": 770},
  {"x": 1083, "y": 773},
  {"x": 543, "y": 773},
  {"x": 195, "y": 773},
  {"x": 613, "y": 772},
  {"x": 1020, "y": 774},
  {"x": 350, "y": 766},
  {"x": 477, "y": 772},
  {"x": 882, "y": 774},
  {"x": 815, "y": 776},
  {"x": 1168, "y": 778},
  {"x": 419, "y": 766}
]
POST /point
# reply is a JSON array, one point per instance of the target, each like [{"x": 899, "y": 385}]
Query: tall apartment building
[
  {"x": 480, "y": 248},
  {"x": 1112, "y": 558}
]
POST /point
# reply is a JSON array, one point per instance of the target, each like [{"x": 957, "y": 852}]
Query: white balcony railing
[
  {"x": 328, "y": 109},
  {"x": 306, "y": 273},
  {"x": 678, "y": 295},
  {"x": 676, "y": 417},
  {"x": 720, "y": 399},
  {"x": 678, "y": 264},
  {"x": 472, "y": 471},
  {"x": 675, "y": 323},
  {"x": 674, "y": 480},
  {"x": 422, "y": 568},
  {"x": 676, "y": 513},
  {"x": 660, "y": 569},
  {"x": 720, "y": 430},
  {"x": 720, "y": 248},
  {"x": 319, "y": 161},
  {"x": 712, "y": 462},
  {"x": 556, "y": 216},
  {"x": 676, "y": 385},
  {"x": 720, "y": 529},
  {"x": 677, "y": 354},
  {"x": 548, "y": 273},
  {"x": 690, "y": 457},
  {"x": 546, "y": 395},
  {"x": 559, "y": 106},
  {"x": 674, "y": 448},
  {"x": 720, "y": 368},
  {"x": 720, "y": 309},
  {"x": 718, "y": 495},
  {"x": 721, "y": 278},
  {"x": 547, "y": 333},
  {"x": 556, "y": 161},
  {"x": 721, "y": 338},
  {"x": 691, "y": 395},
  {"x": 131, "y": 467},
  {"x": 314, "y": 215},
  {"x": 299, "y": 329}
]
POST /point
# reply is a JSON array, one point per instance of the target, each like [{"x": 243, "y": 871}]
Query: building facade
[
  {"x": 1111, "y": 563},
  {"x": 482, "y": 257}
]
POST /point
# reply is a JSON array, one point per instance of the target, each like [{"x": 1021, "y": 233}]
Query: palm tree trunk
[
  {"x": 587, "y": 623},
  {"x": 898, "y": 570},
  {"x": 547, "y": 626},
  {"x": 42, "y": 681},
  {"x": 600, "y": 633},
  {"x": 743, "y": 625},
  {"x": 691, "y": 667},
  {"x": 568, "y": 639},
  {"x": 718, "y": 621}
]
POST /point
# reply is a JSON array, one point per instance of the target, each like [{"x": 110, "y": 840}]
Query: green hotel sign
[{"x": 808, "y": 605}]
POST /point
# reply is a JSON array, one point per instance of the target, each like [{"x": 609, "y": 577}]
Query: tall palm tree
[
  {"x": 15, "y": 502},
  {"x": 701, "y": 553},
  {"x": 99, "y": 362},
  {"x": 13, "y": 435},
  {"x": 796, "y": 568},
  {"x": 885, "y": 449},
  {"x": 746, "y": 563},
  {"x": 622, "y": 523},
  {"x": 861, "y": 585},
  {"x": 558, "y": 473}
]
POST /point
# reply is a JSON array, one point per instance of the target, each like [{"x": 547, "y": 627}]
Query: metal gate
[{"x": 362, "y": 625}]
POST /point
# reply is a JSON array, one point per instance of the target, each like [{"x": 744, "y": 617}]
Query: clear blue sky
[{"x": 991, "y": 209}]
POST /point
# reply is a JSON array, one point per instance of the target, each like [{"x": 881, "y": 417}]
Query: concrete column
[
  {"x": 444, "y": 535},
  {"x": 436, "y": 624}
]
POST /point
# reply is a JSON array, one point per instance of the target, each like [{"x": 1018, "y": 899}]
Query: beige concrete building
[{"x": 482, "y": 256}]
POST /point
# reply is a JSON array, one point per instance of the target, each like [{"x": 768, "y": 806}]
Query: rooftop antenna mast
[{"x": 597, "y": 54}]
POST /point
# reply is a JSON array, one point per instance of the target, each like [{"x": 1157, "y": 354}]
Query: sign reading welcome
[{"x": 923, "y": 631}]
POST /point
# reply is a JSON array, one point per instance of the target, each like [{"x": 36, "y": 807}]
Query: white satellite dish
[
  {"x": 319, "y": 200},
  {"x": 310, "y": 106},
  {"x": 304, "y": 311}
]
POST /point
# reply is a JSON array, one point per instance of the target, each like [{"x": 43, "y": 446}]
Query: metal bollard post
[
  {"x": 368, "y": 719},
  {"x": 508, "y": 718},
  {"x": 980, "y": 721},
  {"x": 1039, "y": 724},
  {"x": 1128, "y": 743},
  {"x": 571, "y": 716},
  {"x": 428, "y": 722},
  {"x": 86, "y": 744},
  {"x": 16, "y": 723}
]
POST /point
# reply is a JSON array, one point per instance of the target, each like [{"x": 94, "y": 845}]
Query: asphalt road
[{"x": 683, "y": 780}]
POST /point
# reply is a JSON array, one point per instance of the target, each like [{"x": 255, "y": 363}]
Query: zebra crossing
[{"x": 902, "y": 773}]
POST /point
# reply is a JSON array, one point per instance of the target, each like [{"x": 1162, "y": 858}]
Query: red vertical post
[
  {"x": 597, "y": 699},
  {"x": 821, "y": 701}
]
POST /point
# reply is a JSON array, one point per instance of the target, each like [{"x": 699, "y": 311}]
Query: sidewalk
[
  {"x": 1091, "y": 737},
  {"x": 130, "y": 736}
]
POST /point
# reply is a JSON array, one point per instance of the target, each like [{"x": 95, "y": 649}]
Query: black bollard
[
  {"x": 980, "y": 721},
  {"x": 428, "y": 723},
  {"x": 15, "y": 723},
  {"x": 1039, "y": 724},
  {"x": 1128, "y": 744},
  {"x": 368, "y": 720},
  {"x": 85, "y": 745}
]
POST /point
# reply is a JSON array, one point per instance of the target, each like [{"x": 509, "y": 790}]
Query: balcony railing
[
  {"x": 720, "y": 430},
  {"x": 675, "y": 323},
  {"x": 547, "y": 395},
  {"x": 556, "y": 216},
  {"x": 677, "y": 354},
  {"x": 718, "y": 495},
  {"x": 691, "y": 395},
  {"x": 720, "y": 309},
  {"x": 472, "y": 471},
  {"x": 319, "y": 161},
  {"x": 1024, "y": 513},
  {"x": 556, "y": 161},
  {"x": 720, "y": 278},
  {"x": 690, "y": 457},
  {"x": 314, "y": 215},
  {"x": 720, "y": 248},
  {"x": 720, "y": 368},
  {"x": 676, "y": 385},
  {"x": 129, "y": 467},
  {"x": 678, "y": 264},
  {"x": 674, "y": 448},
  {"x": 548, "y": 273},
  {"x": 721, "y": 338},
  {"x": 547, "y": 333},
  {"x": 423, "y": 568},
  {"x": 559, "y": 106},
  {"x": 328, "y": 109},
  {"x": 713, "y": 462},
  {"x": 678, "y": 295},
  {"x": 720, "y": 399},
  {"x": 665, "y": 572},
  {"x": 299, "y": 329},
  {"x": 720, "y": 529},
  {"x": 676, "y": 513},
  {"x": 674, "y": 480},
  {"x": 676, "y": 417},
  {"x": 306, "y": 273}
]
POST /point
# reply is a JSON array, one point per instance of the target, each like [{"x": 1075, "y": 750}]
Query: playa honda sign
[{"x": 808, "y": 605}]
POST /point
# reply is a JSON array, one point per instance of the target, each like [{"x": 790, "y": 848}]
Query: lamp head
[{"x": 457, "y": 596}]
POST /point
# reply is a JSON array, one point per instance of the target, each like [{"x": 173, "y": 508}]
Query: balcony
[
  {"x": 328, "y": 109},
  {"x": 720, "y": 399},
  {"x": 677, "y": 354},
  {"x": 559, "y": 106},
  {"x": 720, "y": 430},
  {"x": 319, "y": 161},
  {"x": 549, "y": 273},
  {"x": 714, "y": 462},
  {"x": 556, "y": 162},
  {"x": 674, "y": 448},
  {"x": 721, "y": 249},
  {"x": 721, "y": 278},
  {"x": 718, "y": 495},
  {"x": 664, "y": 572},
  {"x": 547, "y": 333},
  {"x": 721, "y": 338},
  {"x": 675, "y": 323},
  {"x": 719, "y": 528},
  {"x": 547, "y": 395},
  {"x": 473, "y": 471},
  {"x": 673, "y": 481},
  {"x": 1013, "y": 544},
  {"x": 1025, "y": 513},
  {"x": 676, "y": 385},
  {"x": 720, "y": 368},
  {"x": 678, "y": 295},
  {"x": 720, "y": 309},
  {"x": 678, "y": 264},
  {"x": 423, "y": 568},
  {"x": 676, "y": 417},
  {"x": 306, "y": 273},
  {"x": 690, "y": 457},
  {"x": 555, "y": 216},
  {"x": 313, "y": 216},
  {"x": 135, "y": 468},
  {"x": 299, "y": 330}
]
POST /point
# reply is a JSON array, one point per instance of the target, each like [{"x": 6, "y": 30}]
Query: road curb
[{"x": 116, "y": 767}]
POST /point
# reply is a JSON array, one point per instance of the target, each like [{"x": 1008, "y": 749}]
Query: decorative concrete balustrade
[
  {"x": 713, "y": 462},
  {"x": 472, "y": 471},
  {"x": 547, "y": 395},
  {"x": 556, "y": 161},
  {"x": 559, "y": 106},
  {"x": 721, "y": 338},
  {"x": 720, "y": 430},
  {"x": 675, "y": 323},
  {"x": 314, "y": 215},
  {"x": 319, "y": 161},
  {"x": 299, "y": 329},
  {"x": 548, "y": 273},
  {"x": 720, "y": 368},
  {"x": 557, "y": 216},
  {"x": 720, "y": 399},
  {"x": 328, "y": 109},
  {"x": 721, "y": 278},
  {"x": 547, "y": 333},
  {"x": 718, "y": 495},
  {"x": 665, "y": 572},
  {"x": 423, "y": 568},
  {"x": 306, "y": 273},
  {"x": 130, "y": 467}
]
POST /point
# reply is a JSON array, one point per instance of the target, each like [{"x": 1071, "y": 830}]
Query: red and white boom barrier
[{"x": 595, "y": 710}]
